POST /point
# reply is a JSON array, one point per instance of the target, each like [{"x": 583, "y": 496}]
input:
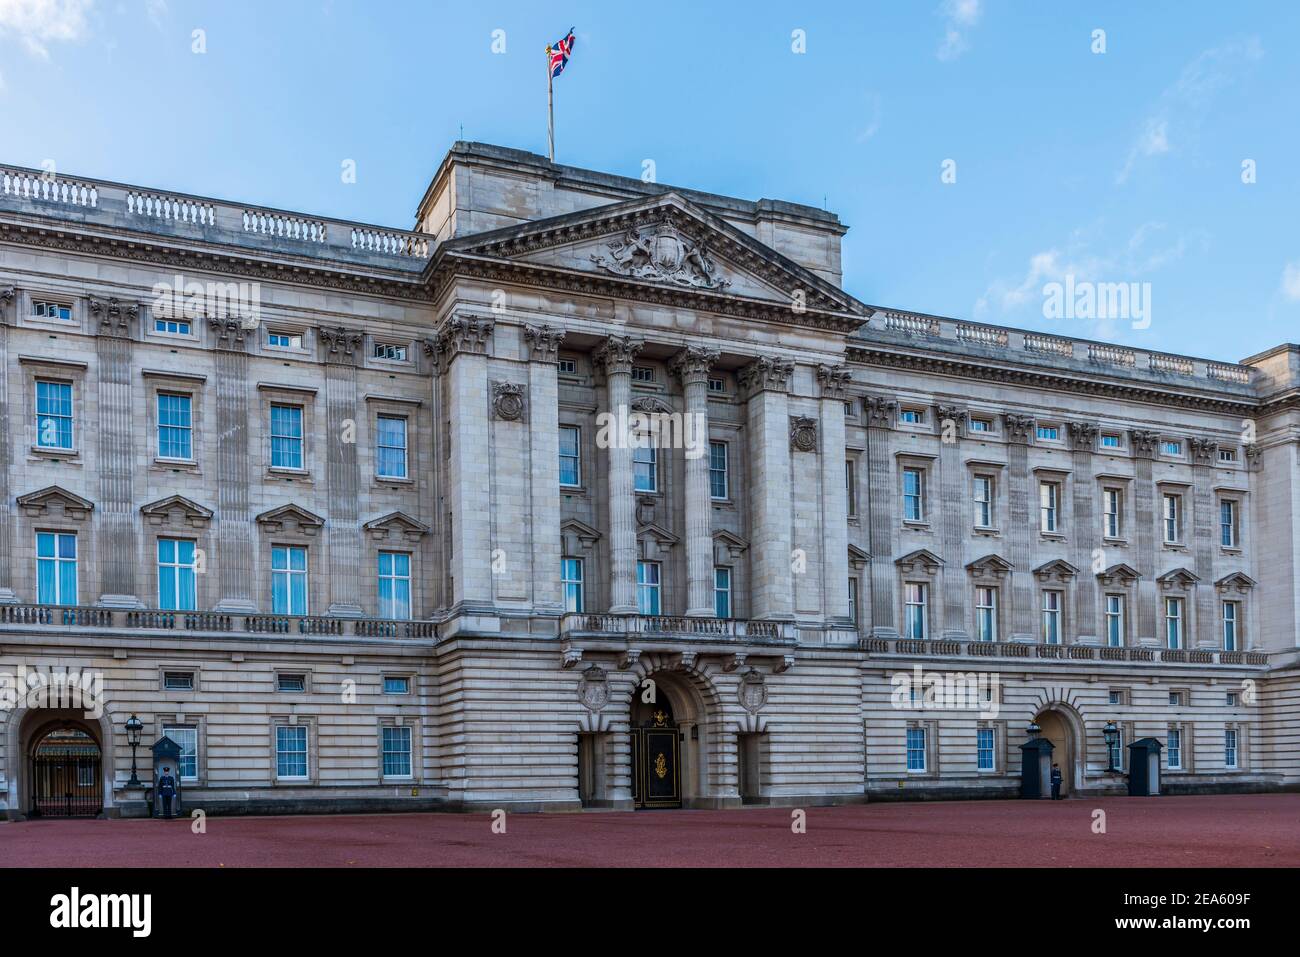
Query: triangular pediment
[
  {"x": 577, "y": 536},
  {"x": 1122, "y": 573},
  {"x": 277, "y": 518},
  {"x": 396, "y": 525},
  {"x": 920, "y": 560},
  {"x": 174, "y": 508},
  {"x": 989, "y": 565},
  {"x": 1238, "y": 580},
  {"x": 857, "y": 557},
  {"x": 1058, "y": 569},
  {"x": 52, "y": 496},
  {"x": 658, "y": 533},
  {"x": 665, "y": 242},
  {"x": 1180, "y": 577}
]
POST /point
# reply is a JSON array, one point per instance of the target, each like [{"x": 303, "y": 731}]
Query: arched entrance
[
  {"x": 671, "y": 730},
  {"x": 25, "y": 728},
  {"x": 65, "y": 771},
  {"x": 1058, "y": 729},
  {"x": 656, "y": 755}
]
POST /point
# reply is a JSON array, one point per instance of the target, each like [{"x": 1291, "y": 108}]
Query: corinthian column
[
  {"x": 767, "y": 381},
  {"x": 615, "y": 359},
  {"x": 835, "y": 513},
  {"x": 692, "y": 366}
]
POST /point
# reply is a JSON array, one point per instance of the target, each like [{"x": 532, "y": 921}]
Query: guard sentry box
[
  {"x": 1144, "y": 767},
  {"x": 1036, "y": 768},
  {"x": 166, "y": 754}
]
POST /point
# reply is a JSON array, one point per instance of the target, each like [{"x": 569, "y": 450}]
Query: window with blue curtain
[
  {"x": 391, "y": 445},
  {"x": 56, "y": 568},
  {"x": 288, "y": 580},
  {"x": 647, "y": 587},
  {"x": 54, "y": 414},
  {"x": 395, "y": 585},
  {"x": 571, "y": 578},
  {"x": 175, "y": 429},
  {"x": 176, "y": 582},
  {"x": 286, "y": 436}
]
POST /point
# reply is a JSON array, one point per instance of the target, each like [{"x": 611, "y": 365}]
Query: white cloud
[
  {"x": 959, "y": 16},
  {"x": 873, "y": 123},
  {"x": 1291, "y": 281},
  {"x": 40, "y": 22},
  {"x": 157, "y": 11},
  {"x": 1184, "y": 104}
]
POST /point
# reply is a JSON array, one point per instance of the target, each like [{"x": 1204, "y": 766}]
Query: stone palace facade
[{"x": 338, "y": 509}]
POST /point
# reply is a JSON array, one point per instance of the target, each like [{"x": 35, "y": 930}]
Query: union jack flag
[{"x": 559, "y": 52}]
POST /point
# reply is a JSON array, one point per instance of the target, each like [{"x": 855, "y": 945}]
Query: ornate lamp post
[
  {"x": 1112, "y": 738},
  {"x": 134, "y": 727}
]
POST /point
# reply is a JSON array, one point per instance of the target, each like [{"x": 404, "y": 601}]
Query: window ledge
[
  {"x": 50, "y": 453},
  {"x": 163, "y": 463},
  {"x": 919, "y": 526},
  {"x": 988, "y": 532},
  {"x": 1052, "y": 537},
  {"x": 1120, "y": 542},
  {"x": 393, "y": 480}
]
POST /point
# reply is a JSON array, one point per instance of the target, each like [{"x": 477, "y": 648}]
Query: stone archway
[
  {"x": 26, "y": 727},
  {"x": 691, "y": 700},
  {"x": 1061, "y": 725}
]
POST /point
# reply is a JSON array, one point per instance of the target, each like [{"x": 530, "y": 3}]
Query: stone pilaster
[
  {"x": 342, "y": 473},
  {"x": 835, "y": 509},
  {"x": 953, "y": 522},
  {"x": 236, "y": 560},
  {"x": 116, "y": 541},
  {"x": 7, "y": 596},
  {"x": 1205, "y": 534},
  {"x": 614, "y": 359},
  {"x": 692, "y": 366},
  {"x": 544, "y": 459},
  {"x": 767, "y": 381},
  {"x": 1021, "y": 530},
  {"x": 882, "y": 499},
  {"x": 1146, "y": 616},
  {"x": 1086, "y": 532}
]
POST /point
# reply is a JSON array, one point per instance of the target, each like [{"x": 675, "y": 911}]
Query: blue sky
[{"x": 1122, "y": 166}]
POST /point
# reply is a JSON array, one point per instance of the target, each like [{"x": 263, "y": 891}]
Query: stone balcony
[
  {"x": 86, "y": 620},
  {"x": 940, "y": 648},
  {"x": 680, "y": 628}
]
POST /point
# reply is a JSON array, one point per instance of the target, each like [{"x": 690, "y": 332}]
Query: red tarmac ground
[{"x": 1252, "y": 830}]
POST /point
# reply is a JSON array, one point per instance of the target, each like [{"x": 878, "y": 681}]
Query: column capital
[
  {"x": 1143, "y": 443},
  {"x": 459, "y": 334},
  {"x": 1083, "y": 435},
  {"x": 544, "y": 342},
  {"x": 114, "y": 317},
  {"x": 955, "y": 413},
  {"x": 617, "y": 353},
  {"x": 767, "y": 373},
  {"x": 1204, "y": 451},
  {"x": 881, "y": 411},
  {"x": 834, "y": 380},
  {"x": 1020, "y": 428},
  {"x": 340, "y": 343},
  {"x": 693, "y": 363},
  {"x": 231, "y": 333}
]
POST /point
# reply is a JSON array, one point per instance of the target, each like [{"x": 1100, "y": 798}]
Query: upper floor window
[
  {"x": 1228, "y": 523},
  {"x": 1048, "y": 433},
  {"x": 48, "y": 309},
  {"x": 571, "y": 579},
  {"x": 717, "y": 385},
  {"x": 1227, "y": 455},
  {"x": 568, "y": 367},
  {"x": 913, "y": 495},
  {"x": 645, "y": 469},
  {"x": 911, "y": 416},
  {"x": 916, "y": 622},
  {"x": 173, "y": 327},
  {"x": 1172, "y": 514},
  {"x": 1171, "y": 447},
  {"x": 1049, "y": 506},
  {"x": 1231, "y": 625},
  {"x": 851, "y": 487},
  {"x": 391, "y": 446},
  {"x": 53, "y": 414},
  {"x": 718, "y": 476},
  {"x": 986, "y": 614},
  {"x": 981, "y": 425},
  {"x": 983, "y": 496},
  {"x": 570, "y": 456},
  {"x": 175, "y": 427},
  {"x": 178, "y": 681},
  {"x": 1174, "y": 622},
  {"x": 853, "y": 600},
  {"x": 1052, "y": 617},
  {"x": 294, "y": 683},
  {"x": 643, "y": 374},
  {"x": 1115, "y": 620},
  {"x": 288, "y": 580},
  {"x": 721, "y": 592},
  {"x": 395, "y": 585},
  {"x": 283, "y": 340},
  {"x": 390, "y": 350},
  {"x": 286, "y": 436},
  {"x": 1113, "y": 512},
  {"x": 1176, "y": 699},
  {"x": 1110, "y": 440},
  {"x": 647, "y": 588},
  {"x": 397, "y": 684},
  {"x": 56, "y": 568},
  {"x": 176, "y": 574}
]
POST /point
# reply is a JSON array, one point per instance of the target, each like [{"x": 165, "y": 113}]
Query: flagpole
[{"x": 550, "y": 106}]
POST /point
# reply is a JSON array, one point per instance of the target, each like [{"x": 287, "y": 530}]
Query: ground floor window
[
  {"x": 397, "y": 752},
  {"x": 187, "y": 736},
  {"x": 984, "y": 749},
  {"x": 1174, "y": 749},
  {"x": 916, "y": 749},
  {"x": 1117, "y": 750},
  {"x": 1230, "y": 748},
  {"x": 291, "y": 751}
]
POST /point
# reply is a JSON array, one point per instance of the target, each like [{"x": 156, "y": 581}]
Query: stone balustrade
[
  {"x": 675, "y": 627},
  {"x": 993, "y": 649}
]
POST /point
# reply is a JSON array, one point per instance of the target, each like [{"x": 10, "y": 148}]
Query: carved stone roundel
[
  {"x": 803, "y": 434},
  {"x": 593, "y": 689},
  {"x": 752, "y": 692},
  {"x": 508, "y": 401}
]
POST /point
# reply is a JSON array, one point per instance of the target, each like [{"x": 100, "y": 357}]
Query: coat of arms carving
[
  {"x": 753, "y": 691},
  {"x": 664, "y": 254},
  {"x": 593, "y": 688}
]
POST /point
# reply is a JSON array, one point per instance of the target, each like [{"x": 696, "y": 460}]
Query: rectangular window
[
  {"x": 568, "y": 367},
  {"x": 913, "y": 495},
  {"x": 986, "y": 614},
  {"x": 1117, "y": 750},
  {"x": 1174, "y": 749},
  {"x": 1174, "y": 622},
  {"x": 717, "y": 385},
  {"x": 647, "y": 587},
  {"x": 1116, "y": 697},
  {"x": 395, "y": 585},
  {"x": 175, "y": 427},
  {"x": 916, "y": 749},
  {"x": 56, "y": 568},
  {"x": 1228, "y": 523},
  {"x": 981, "y": 425},
  {"x": 853, "y": 600},
  {"x": 178, "y": 681},
  {"x": 291, "y": 683},
  {"x": 1048, "y": 433},
  {"x": 1175, "y": 699},
  {"x": 397, "y": 684},
  {"x": 284, "y": 340},
  {"x": 288, "y": 580},
  {"x": 1231, "y": 624},
  {"x": 1052, "y": 617},
  {"x": 291, "y": 751},
  {"x": 915, "y": 599},
  {"x": 1227, "y": 455},
  {"x": 1111, "y": 441},
  {"x": 645, "y": 468},
  {"x": 46, "y": 309},
  {"x": 643, "y": 374},
  {"x": 1115, "y": 620},
  {"x": 571, "y": 579},
  {"x": 1170, "y": 447},
  {"x": 851, "y": 486},
  {"x": 286, "y": 436},
  {"x": 911, "y": 416},
  {"x": 1230, "y": 748},
  {"x": 176, "y": 574},
  {"x": 983, "y": 494},
  {"x": 984, "y": 749},
  {"x": 53, "y": 414},
  {"x": 1230, "y": 699},
  {"x": 718, "y": 477},
  {"x": 397, "y": 751},
  {"x": 1049, "y": 501},
  {"x": 722, "y": 592},
  {"x": 1114, "y": 511},
  {"x": 1173, "y": 518},
  {"x": 187, "y": 736},
  {"x": 173, "y": 327},
  {"x": 390, "y": 350},
  {"x": 570, "y": 456},
  {"x": 390, "y": 444}
]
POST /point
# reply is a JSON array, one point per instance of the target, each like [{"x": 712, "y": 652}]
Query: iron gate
[{"x": 66, "y": 784}]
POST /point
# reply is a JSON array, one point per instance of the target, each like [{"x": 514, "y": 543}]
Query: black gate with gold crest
[
  {"x": 66, "y": 779},
  {"x": 656, "y": 775}
]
